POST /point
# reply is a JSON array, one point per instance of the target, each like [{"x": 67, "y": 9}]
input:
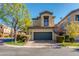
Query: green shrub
[
  {"x": 72, "y": 40},
  {"x": 60, "y": 39},
  {"x": 67, "y": 38},
  {"x": 21, "y": 38},
  {"x": 70, "y": 44},
  {"x": 7, "y": 36}
]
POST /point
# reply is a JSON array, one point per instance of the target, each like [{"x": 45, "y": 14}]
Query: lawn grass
[
  {"x": 69, "y": 44},
  {"x": 18, "y": 43}
]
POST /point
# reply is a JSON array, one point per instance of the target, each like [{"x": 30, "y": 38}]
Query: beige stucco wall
[
  {"x": 73, "y": 15},
  {"x": 72, "y": 18},
  {"x": 40, "y": 20},
  {"x": 51, "y": 19},
  {"x": 62, "y": 22},
  {"x": 37, "y": 22}
]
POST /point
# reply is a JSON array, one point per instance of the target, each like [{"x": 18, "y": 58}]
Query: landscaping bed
[
  {"x": 69, "y": 44},
  {"x": 21, "y": 40},
  {"x": 67, "y": 41},
  {"x": 18, "y": 43}
]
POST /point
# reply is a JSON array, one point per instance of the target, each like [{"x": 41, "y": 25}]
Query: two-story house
[
  {"x": 42, "y": 27},
  {"x": 5, "y": 31},
  {"x": 73, "y": 16}
]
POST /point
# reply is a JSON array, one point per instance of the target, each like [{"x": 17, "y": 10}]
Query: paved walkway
[{"x": 26, "y": 46}]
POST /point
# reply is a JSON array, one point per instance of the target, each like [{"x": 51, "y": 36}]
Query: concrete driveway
[{"x": 24, "y": 51}]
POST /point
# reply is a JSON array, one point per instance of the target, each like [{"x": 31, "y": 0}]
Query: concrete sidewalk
[{"x": 26, "y": 46}]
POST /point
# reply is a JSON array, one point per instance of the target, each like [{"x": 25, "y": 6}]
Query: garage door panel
[{"x": 43, "y": 36}]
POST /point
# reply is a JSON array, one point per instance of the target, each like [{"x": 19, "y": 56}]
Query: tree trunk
[
  {"x": 15, "y": 33},
  {"x": 11, "y": 32},
  {"x": 15, "y": 36}
]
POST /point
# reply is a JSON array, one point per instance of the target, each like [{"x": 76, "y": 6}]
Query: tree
[
  {"x": 12, "y": 14},
  {"x": 24, "y": 24},
  {"x": 1, "y": 30},
  {"x": 72, "y": 29}
]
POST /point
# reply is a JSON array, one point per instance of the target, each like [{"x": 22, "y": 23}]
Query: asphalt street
[{"x": 23, "y": 51}]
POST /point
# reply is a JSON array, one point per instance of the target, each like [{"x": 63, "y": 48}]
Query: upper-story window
[
  {"x": 63, "y": 26},
  {"x": 69, "y": 19},
  {"x": 46, "y": 20},
  {"x": 77, "y": 18}
]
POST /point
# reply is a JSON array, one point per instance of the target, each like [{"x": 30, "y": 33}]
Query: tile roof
[{"x": 46, "y": 12}]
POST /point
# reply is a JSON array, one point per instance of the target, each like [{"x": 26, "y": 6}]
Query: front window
[
  {"x": 77, "y": 18},
  {"x": 46, "y": 20}
]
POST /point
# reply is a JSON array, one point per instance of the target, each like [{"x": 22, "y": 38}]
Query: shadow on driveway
[
  {"x": 57, "y": 46},
  {"x": 43, "y": 41},
  {"x": 77, "y": 50}
]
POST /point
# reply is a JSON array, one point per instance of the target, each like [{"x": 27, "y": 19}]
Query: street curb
[
  {"x": 72, "y": 47},
  {"x": 25, "y": 46}
]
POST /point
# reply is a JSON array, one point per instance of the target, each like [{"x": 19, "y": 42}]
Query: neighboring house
[
  {"x": 1, "y": 30},
  {"x": 42, "y": 27},
  {"x": 73, "y": 16},
  {"x": 5, "y": 31}
]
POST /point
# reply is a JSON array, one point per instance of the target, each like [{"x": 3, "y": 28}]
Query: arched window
[{"x": 46, "y": 20}]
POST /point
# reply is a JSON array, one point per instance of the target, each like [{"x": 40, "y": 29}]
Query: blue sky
[{"x": 58, "y": 9}]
